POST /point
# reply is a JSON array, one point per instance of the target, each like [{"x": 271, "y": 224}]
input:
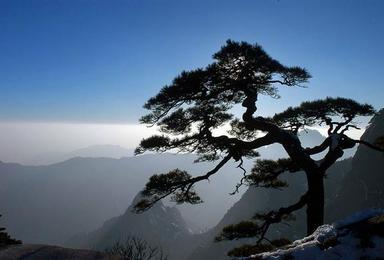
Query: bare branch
[
  {"x": 211, "y": 172},
  {"x": 171, "y": 188},
  {"x": 276, "y": 216},
  {"x": 318, "y": 149},
  {"x": 241, "y": 183},
  {"x": 347, "y": 128},
  {"x": 346, "y": 122}
]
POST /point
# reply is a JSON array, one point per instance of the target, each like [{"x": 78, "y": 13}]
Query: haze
[{"x": 24, "y": 142}]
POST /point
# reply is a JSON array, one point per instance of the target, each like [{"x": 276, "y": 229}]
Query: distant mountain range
[
  {"x": 81, "y": 193},
  {"x": 93, "y": 151}
]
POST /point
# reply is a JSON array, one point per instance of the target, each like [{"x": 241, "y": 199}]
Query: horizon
[{"x": 45, "y": 139}]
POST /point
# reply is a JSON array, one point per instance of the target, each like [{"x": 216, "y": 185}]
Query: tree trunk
[
  {"x": 315, "y": 204},
  {"x": 315, "y": 175}
]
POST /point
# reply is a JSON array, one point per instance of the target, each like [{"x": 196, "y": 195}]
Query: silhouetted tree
[
  {"x": 136, "y": 248},
  {"x": 202, "y": 100},
  {"x": 5, "y": 239}
]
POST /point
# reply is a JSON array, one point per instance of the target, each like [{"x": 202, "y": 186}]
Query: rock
[
  {"x": 360, "y": 236},
  {"x": 38, "y": 252}
]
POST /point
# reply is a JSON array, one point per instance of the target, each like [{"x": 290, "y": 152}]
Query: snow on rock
[
  {"x": 359, "y": 216},
  {"x": 360, "y": 236},
  {"x": 324, "y": 233}
]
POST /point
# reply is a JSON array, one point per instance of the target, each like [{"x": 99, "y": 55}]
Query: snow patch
[
  {"x": 336, "y": 241},
  {"x": 324, "y": 233},
  {"x": 358, "y": 217}
]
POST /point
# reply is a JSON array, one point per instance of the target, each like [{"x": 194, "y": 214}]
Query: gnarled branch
[{"x": 157, "y": 189}]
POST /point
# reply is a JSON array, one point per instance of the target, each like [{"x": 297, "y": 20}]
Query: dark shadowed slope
[{"x": 364, "y": 185}]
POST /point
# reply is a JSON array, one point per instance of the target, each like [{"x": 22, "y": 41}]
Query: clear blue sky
[{"x": 99, "y": 61}]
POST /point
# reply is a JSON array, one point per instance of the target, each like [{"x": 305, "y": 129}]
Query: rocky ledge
[
  {"x": 360, "y": 236},
  {"x": 38, "y": 252}
]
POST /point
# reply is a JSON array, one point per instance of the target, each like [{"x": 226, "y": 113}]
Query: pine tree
[
  {"x": 200, "y": 101},
  {"x": 5, "y": 239}
]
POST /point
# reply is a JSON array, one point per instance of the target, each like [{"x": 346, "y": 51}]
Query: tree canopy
[{"x": 198, "y": 102}]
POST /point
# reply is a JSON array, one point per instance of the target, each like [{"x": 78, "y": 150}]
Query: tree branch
[
  {"x": 276, "y": 216},
  {"x": 172, "y": 188},
  {"x": 246, "y": 229},
  {"x": 211, "y": 172},
  {"x": 330, "y": 158},
  {"x": 347, "y": 128},
  {"x": 318, "y": 149},
  {"x": 241, "y": 183}
]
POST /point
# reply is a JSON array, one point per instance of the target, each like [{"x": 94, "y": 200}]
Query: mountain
[
  {"x": 160, "y": 226},
  {"x": 364, "y": 183},
  {"x": 93, "y": 151},
  {"x": 50, "y": 204},
  {"x": 310, "y": 138},
  {"x": 81, "y": 193}
]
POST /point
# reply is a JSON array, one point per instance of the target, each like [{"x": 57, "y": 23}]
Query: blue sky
[{"x": 99, "y": 61}]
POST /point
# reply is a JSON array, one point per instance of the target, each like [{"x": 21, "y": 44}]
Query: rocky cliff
[{"x": 160, "y": 226}]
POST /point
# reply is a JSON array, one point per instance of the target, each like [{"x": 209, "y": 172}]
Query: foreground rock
[
  {"x": 360, "y": 236},
  {"x": 38, "y": 252}
]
